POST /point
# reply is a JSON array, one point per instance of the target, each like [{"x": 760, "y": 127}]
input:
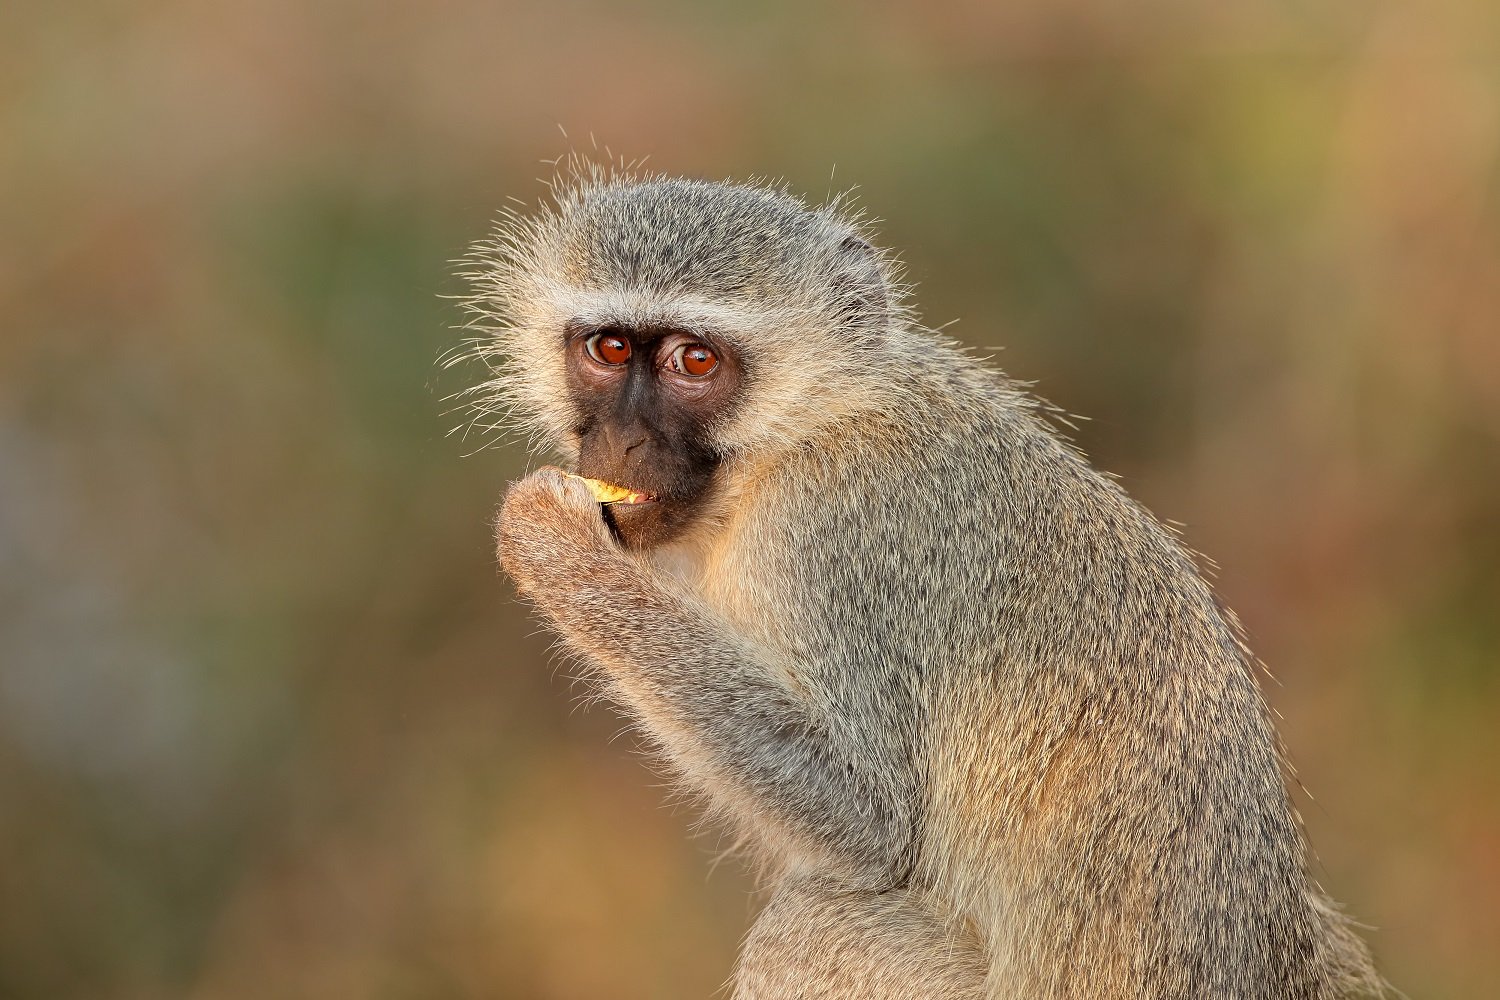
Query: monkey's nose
[{"x": 622, "y": 438}]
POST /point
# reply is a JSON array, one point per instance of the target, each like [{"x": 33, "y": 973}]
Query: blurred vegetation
[{"x": 269, "y": 723}]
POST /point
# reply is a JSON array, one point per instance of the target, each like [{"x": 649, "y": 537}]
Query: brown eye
[
  {"x": 608, "y": 348},
  {"x": 696, "y": 360}
]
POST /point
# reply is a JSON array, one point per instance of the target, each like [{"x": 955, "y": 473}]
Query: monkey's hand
[
  {"x": 551, "y": 535},
  {"x": 719, "y": 704}
]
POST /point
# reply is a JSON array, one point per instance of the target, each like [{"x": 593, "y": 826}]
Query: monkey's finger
[
  {"x": 574, "y": 490},
  {"x": 549, "y": 479},
  {"x": 568, "y": 491}
]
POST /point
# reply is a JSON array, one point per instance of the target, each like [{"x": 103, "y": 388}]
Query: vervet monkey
[{"x": 973, "y": 712}]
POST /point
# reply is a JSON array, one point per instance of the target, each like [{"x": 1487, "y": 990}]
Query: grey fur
[{"x": 972, "y": 710}]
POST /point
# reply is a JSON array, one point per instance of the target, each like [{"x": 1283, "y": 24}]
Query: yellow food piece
[{"x": 609, "y": 492}]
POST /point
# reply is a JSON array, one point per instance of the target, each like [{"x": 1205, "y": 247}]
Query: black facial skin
[{"x": 641, "y": 425}]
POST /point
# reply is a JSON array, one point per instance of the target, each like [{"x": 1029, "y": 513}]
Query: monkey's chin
[{"x": 644, "y": 524}]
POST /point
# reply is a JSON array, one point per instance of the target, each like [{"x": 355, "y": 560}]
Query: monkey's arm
[{"x": 734, "y": 723}]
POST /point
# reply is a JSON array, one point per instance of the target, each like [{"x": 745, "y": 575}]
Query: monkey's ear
[{"x": 860, "y": 287}]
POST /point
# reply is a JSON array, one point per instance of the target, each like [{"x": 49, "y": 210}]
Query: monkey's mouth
[{"x": 612, "y": 494}]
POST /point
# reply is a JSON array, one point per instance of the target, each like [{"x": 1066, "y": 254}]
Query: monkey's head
[{"x": 654, "y": 329}]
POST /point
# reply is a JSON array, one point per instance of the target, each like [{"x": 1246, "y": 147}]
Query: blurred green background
[{"x": 271, "y": 725}]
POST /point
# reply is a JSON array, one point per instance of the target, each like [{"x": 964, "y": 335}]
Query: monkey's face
[{"x": 645, "y": 399}]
